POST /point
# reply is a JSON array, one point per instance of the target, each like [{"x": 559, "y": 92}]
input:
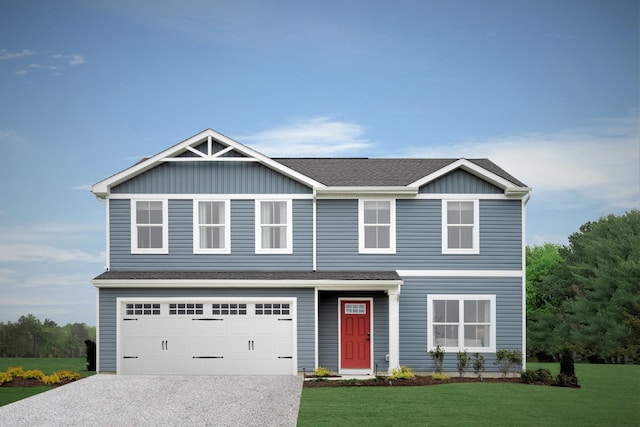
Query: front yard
[{"x": 609, "y": 395}]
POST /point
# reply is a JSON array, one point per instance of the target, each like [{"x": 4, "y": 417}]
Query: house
[{"x": 221, "y": 260}]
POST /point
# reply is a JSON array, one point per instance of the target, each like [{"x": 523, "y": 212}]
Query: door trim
[{"x": 349, "y": 371}]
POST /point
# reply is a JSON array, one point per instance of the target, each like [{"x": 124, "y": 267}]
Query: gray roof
[
  {"x": 378, "y": 172},
  {"x": 248, "y": 275}
]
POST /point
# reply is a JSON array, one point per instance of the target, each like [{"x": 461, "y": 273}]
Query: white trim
[
  {"x": 314, "y": 240},
  {"x": 392, "y": 228},
  {"x": 316, "y": 359},
  {"x": 107, "y": 236},
  {"x": 368, "y": 370},
  {"x": 461, "y": 298},
  {"x": 462, "y": 196},
  {"x": 467, "y": 166},
  {"x": 394, "y": 328},
  {"x": 97, "y": 331},
  {"x": 475, "y": 249},
  {"x": 201, "y": 196},
  {"x": 103, "y": 188},
  {"x": 288, "y": 249},
  {"x": 321, "y": 285},
  {"x": 524, "y": 284},
  {"x": 209, "y": 159},
  {"x": 134, "y": 228},
  {"x": 459, "y": 273},
  {"x": 355, "y": 192},
  {"x": 196, "y": 228}
]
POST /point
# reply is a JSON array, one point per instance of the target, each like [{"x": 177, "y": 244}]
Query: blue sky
[{"x": 547, "y": 89}]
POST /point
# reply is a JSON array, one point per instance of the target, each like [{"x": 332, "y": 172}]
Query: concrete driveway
[{"x": 133, "y": 400}]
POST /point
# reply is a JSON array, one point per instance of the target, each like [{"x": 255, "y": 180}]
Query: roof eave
[{"x": 366, "y": 191}]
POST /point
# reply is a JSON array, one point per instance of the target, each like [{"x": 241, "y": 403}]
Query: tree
[{"x": 541, "y": 262}]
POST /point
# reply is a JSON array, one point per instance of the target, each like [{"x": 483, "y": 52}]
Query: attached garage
[{"x": 213, "y": 336}]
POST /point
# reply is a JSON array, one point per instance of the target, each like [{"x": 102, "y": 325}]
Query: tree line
[
  {"x": 585, "y": 296},
  {"x": 29, "y": 337}
]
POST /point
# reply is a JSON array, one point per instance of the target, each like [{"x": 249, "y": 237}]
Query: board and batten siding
[
  {"x": 414, "y": 351},
  {"x": 211, "y": 178},
  {"x": 108, "y": 321},
  {"x": 458, "y": 182},
  {"x": 181, "y": 256},
  {"x": 328, "y": 335},
  {"x": 419, "y": 237}
]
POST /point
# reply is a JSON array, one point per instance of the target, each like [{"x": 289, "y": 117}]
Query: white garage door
[{"x": 207, "y": 337}]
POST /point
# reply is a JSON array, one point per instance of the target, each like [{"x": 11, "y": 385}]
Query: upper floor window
[
  {"x": 460, "y": 229},
  {"x": 459, "y": 322},
  {"x": 211, "y": 233},
  {"x": 377, "y": 226},
  {"x": 273, "y": 226},
  {"x": 149, "y": 231}
]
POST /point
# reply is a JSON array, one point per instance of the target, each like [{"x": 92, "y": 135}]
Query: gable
[{"x": 460, "y": 181}]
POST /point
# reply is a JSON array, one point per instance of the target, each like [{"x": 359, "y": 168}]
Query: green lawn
[
  {"x": 48, "y": 366},
  {"x": 610, "y": 395}
]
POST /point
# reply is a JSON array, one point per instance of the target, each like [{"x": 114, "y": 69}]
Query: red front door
[{"x": 355, "y": 334}]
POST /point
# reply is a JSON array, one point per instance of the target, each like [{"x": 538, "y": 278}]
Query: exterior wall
[
  {"x": 211, "y": 178},
  {"x": 460, "y": 181},
  {"x": 181, "y": 256},
  {"x": 414, "y": 351},
  {"x": 419, "y": 237},
  {"x": 108, "y": 320},
  {"x": 328, "y": 338}
]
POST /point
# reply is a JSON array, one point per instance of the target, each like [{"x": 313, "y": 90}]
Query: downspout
[
  {"x": 525, "y": 200},
  {"x": 313, "y": 232}
]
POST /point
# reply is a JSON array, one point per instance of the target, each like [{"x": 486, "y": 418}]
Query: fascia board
[
  {"x": 366, "y": 191},
  {"x": 225, "y": 283},
  {"x": 102, "y": 188},
  {"x": 467, "y": 166}
]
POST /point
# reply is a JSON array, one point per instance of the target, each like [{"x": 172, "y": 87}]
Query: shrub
[
  {"x": 322, "y": 372},
  {"x": 32, "y": 374},
  {"x": 478, "y": 363},
  {"x": 439, "y": 376},
  {"x": 51, "y": 379},
  {"x": 402, "y": 373},
  {"x": 534, "y": 376},
  {"x": 567, "y": 380},
  {"x": 505, "y": 359},
  {"x": 15, "y": 372},
  {"x": 5, "y": 378},
  {"x": 68, "y": 375},
  {"x": 463, "y": 360},
  {"x": 437, "y": 354},
  {"x": 566, "y": 363}
]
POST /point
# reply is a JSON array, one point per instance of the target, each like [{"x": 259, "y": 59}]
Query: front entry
[{"x": 355, "y": 335}]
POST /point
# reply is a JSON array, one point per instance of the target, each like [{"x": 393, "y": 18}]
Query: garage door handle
[
  {"x": 208, "y": 319},
  {"x": 289, "y": 320},
  {"x": 126, "y": 318},
  {"x": 250, "y": 344},
  {"x": 130, "y": 357},
  {"x": 207, "y": 357},
  {"x": 285, "y": 357}
]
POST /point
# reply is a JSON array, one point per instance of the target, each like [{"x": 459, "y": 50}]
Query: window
[
  {"x": 462, "y": 322},
  {"x": 273, "y": 226},
  {"x": 355, "y": 308},
  {"x": 460, "y": 230},
  {"x": 272, "y": 309},
  {"x": 149, "y": 226},
  {"x": 187, "y": 308},
  {"x": 211, "y": 229},
  {"x": 377, "y": 226},
  {"x": 143, "y": 309},
  {"x": 229, "y": 309}
]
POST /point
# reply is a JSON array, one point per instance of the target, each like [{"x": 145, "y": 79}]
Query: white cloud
[
  {"x": 4, "y": 54},
  {"x": 596, "y": 164},
  {"x": 25, "y": 252},
  {"x": 76, "y": 59},
  {"x": 316, "y": 136}
]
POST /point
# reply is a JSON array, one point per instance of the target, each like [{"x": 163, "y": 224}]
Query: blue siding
[
  {"x": 328, "y": 338},
  {"x": 458, "y": 182},
  {"x": 181, "y": 256},
  {"x": 211, "y": 178},
  {"x": 413, "y": 317},
  {"x": 418, "y": 237},
  {"x": 108, "y": 321}
]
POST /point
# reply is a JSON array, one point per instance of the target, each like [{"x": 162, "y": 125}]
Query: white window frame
[
  {"x": 165, "y": 228},
  {"x": 392, "y": 228},
  {"x": 475, "y": 249},
  {"x": 461, "y": 299},
  {"x": 196, "y": 228},
  {"x": 288, "y": 249}
]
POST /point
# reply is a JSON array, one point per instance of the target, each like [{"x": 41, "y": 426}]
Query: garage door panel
[{"x": 209, "y": 338}]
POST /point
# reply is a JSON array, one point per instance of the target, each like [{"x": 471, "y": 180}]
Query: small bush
[
  {"x": 567, "y": 380},
  {"x": 15, "y": 372},
  {"x": 478, "y": 363},
  {"x": 51, "y": 379},
  {"x": 403, "y": 373},
  {"x": 566, "y": 363},
  {"x": 5, "y": 378},
  {"x": 437, "y": 354},
  {"x": 505, "y": 359},
  {"x": 68, "y": 375},
  {"x": 439, "y": 376},
  {"x": 32, "y": 374},
  {"x": 463, "y": 360},
  {"x": 534, "y": 376},
  {"x": 322, "y": 372}
]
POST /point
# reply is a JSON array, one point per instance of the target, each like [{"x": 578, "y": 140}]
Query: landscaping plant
[
  {"x": 463, "y": 360},
  {"x": 478, "y": 364},
  {"x": 437, "y": 355}
]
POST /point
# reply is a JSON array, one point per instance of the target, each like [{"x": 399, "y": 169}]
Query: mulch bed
[
  {"x": 313, "y": 382},
  {"x": 31, "y": 382}
]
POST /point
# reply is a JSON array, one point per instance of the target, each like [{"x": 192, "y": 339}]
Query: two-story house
[{"x": 221, "y": 260}]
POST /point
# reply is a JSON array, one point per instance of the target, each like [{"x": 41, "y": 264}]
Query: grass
[
  {"x": 609, "y": 395},
  {"x": 46, "y": 365}
]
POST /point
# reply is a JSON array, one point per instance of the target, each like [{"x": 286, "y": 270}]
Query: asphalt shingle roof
[
  {"x": 378, "y": 172},
  {"x": 248, "y": 275}
]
